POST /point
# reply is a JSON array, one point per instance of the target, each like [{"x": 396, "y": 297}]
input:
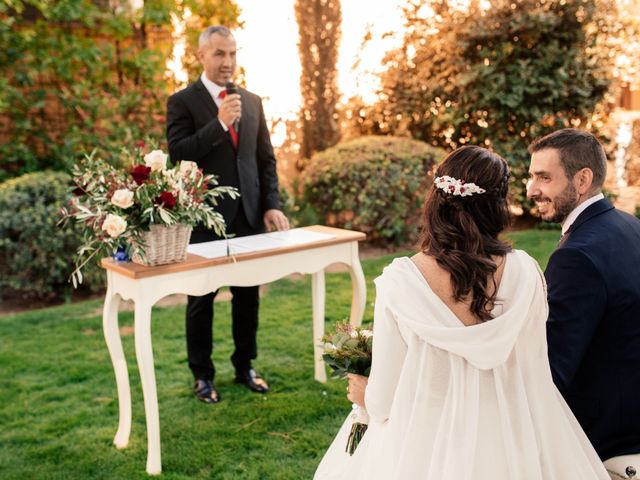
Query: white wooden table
[{"x": 198, "y": 276}]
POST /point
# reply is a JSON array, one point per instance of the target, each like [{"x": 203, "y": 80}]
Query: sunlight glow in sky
[{"x": 268, "y": 51}]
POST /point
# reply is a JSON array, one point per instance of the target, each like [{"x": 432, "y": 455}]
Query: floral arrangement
[
  {"x": 115, "y": 206},
  {"x": 348, "y": 350}
]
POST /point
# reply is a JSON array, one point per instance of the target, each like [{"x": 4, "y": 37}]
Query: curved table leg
[
  {"x": 144, "y": 355},
  {"x": 318, "y": 295},
  {"x": 359, "y": 288},
  {"x": 114, "y": 344}
]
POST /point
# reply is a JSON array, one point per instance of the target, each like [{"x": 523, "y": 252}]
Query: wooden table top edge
[{"x": 193, "y": 262}]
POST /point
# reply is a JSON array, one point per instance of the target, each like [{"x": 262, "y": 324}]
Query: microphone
[{"x": 231, "y": 88}]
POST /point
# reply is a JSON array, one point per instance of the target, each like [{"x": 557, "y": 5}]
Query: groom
[{"x": 593, "y": 278}]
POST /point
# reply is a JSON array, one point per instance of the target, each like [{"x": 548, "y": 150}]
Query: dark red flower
[
  {"x": 140, "y": 173},
  {"x": 140, "y": 143},
  {"x": 78, "y": 191},
  {"x": 167, "y": 200}
]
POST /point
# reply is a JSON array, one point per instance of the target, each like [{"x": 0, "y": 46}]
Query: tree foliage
[
  {"x": 83, "y": 74},
  {"x": 498, "y": 77},
  {"x": 319, "y": 24},
  {"x": 372, "y": 184}
]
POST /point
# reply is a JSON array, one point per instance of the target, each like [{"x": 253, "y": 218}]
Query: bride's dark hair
[{"x": 461, "y": 233}]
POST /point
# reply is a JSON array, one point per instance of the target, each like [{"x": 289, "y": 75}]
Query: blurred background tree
[
  {"x": 78, "y": 75},
  {"x": 500, "y": 76},
  {"x": 319, "y": 25}
]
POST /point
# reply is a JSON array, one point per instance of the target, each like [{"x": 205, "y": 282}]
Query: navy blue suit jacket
[{"x": 593, "y": 330}]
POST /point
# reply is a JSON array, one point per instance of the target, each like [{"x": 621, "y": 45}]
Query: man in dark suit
[
  {"x": 226, "y": 135},
  {"x": 593, "y": 279}
]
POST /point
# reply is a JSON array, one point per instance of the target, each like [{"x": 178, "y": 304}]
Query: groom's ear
[{"x": 583, "y": 180}]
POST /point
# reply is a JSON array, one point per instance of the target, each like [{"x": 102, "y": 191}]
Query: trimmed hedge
[
  {"x": 372, "y": 184},
  {"x": 36, "y": 255}
]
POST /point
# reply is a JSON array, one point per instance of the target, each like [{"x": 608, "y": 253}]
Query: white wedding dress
[{"x": 451, "y": 402}]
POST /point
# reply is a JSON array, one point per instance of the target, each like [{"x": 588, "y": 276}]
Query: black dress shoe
[
  {"x": 206, "y": 392},
  {"x": 253, "y": 380}
]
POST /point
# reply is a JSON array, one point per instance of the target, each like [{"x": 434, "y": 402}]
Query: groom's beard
[{"x": 562, "y": 205}]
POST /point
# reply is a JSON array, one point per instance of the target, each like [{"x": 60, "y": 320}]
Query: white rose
[
  {"x": 122, "y": 198},
  {"x": 186, "y": 167},
  {"x": 156, "y": 160},
  {"x": 366, "y": 333},
  {"x": 114, "y": 225}
]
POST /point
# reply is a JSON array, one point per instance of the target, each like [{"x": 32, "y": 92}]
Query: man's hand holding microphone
[{"x": 231, "y": 107}]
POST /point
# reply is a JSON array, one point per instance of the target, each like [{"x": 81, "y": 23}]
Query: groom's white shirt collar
[
  {"x": 213, "y": 88},
  {"x": 566, "y": 225}
]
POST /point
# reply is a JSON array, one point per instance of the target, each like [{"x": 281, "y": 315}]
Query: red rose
[
  {"x": 140, "y": 143},
  {"x": 140, "y": 173},
  {"x": 167, "y": 200}
]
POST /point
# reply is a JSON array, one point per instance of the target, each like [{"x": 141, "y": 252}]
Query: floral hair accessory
[{"x": 456, "y": 187}]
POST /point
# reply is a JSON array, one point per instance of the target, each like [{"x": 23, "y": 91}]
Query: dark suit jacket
[
  {"x": 195, "y": 133},
  {"x": 594, "y": 326}
]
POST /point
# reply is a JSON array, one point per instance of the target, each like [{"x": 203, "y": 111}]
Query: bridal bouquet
[
  {"x": 116, "y": 205},
  {"x": 348, "y": 350}
]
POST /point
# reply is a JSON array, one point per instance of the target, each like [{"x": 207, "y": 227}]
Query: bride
[{"x": 460, "y": 384}]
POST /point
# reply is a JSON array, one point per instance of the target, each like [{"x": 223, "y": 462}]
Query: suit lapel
[
  {"x": 205, "y": 97},
  {"x": 242, "y": 139}
]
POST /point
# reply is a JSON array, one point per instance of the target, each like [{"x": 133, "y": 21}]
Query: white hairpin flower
[{"x": 455, "y": 187}]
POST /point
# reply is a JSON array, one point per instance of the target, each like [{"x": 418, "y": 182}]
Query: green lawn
[{"x": 59, "y": 403}]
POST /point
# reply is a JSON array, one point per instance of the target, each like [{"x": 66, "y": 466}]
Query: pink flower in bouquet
[
  {"x": 187, "y": 167},
  {"x": 114, "y": 225},
  {"x": 156, "y": 160},
  {"x": 122, "y": 198}
]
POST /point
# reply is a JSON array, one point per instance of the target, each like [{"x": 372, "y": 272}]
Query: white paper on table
[
  {"x": 299, "y": 236},
  {"x": 216, "y": 249},
  {"x": 257, "y": 243}
]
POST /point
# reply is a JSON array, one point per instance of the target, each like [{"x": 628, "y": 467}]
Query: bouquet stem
[
  {"x": 357, "y": 432},
  {"x": 358, "y": 429}
]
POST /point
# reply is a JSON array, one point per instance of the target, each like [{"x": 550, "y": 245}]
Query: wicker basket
[{"x": 163, "y": 245}]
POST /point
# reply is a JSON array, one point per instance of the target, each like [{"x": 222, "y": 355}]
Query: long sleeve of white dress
[
  {"x": 463, "y": 403},
  {"x": 391, "y": 351}
]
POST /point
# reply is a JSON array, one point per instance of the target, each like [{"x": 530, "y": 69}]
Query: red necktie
[{"x": 232, "y": 131}]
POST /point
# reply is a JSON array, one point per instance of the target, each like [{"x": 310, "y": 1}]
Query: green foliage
[
  {"x": 83, "y": 75},
  {"x": 36, "y": 255},
  {"x": 372, "y": 184},
  {"x": 319, "y": 26},
  {"x": 499, "y": 77},
  {"x": 299, "y": 212},
  {"x": 542, "y": 225},
  {"x": 637, "y": 213}
]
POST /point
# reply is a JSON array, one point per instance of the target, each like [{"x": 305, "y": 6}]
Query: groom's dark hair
[
  {"x": 578, "y": 149},
  {"x": 461, "y": 232}
]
